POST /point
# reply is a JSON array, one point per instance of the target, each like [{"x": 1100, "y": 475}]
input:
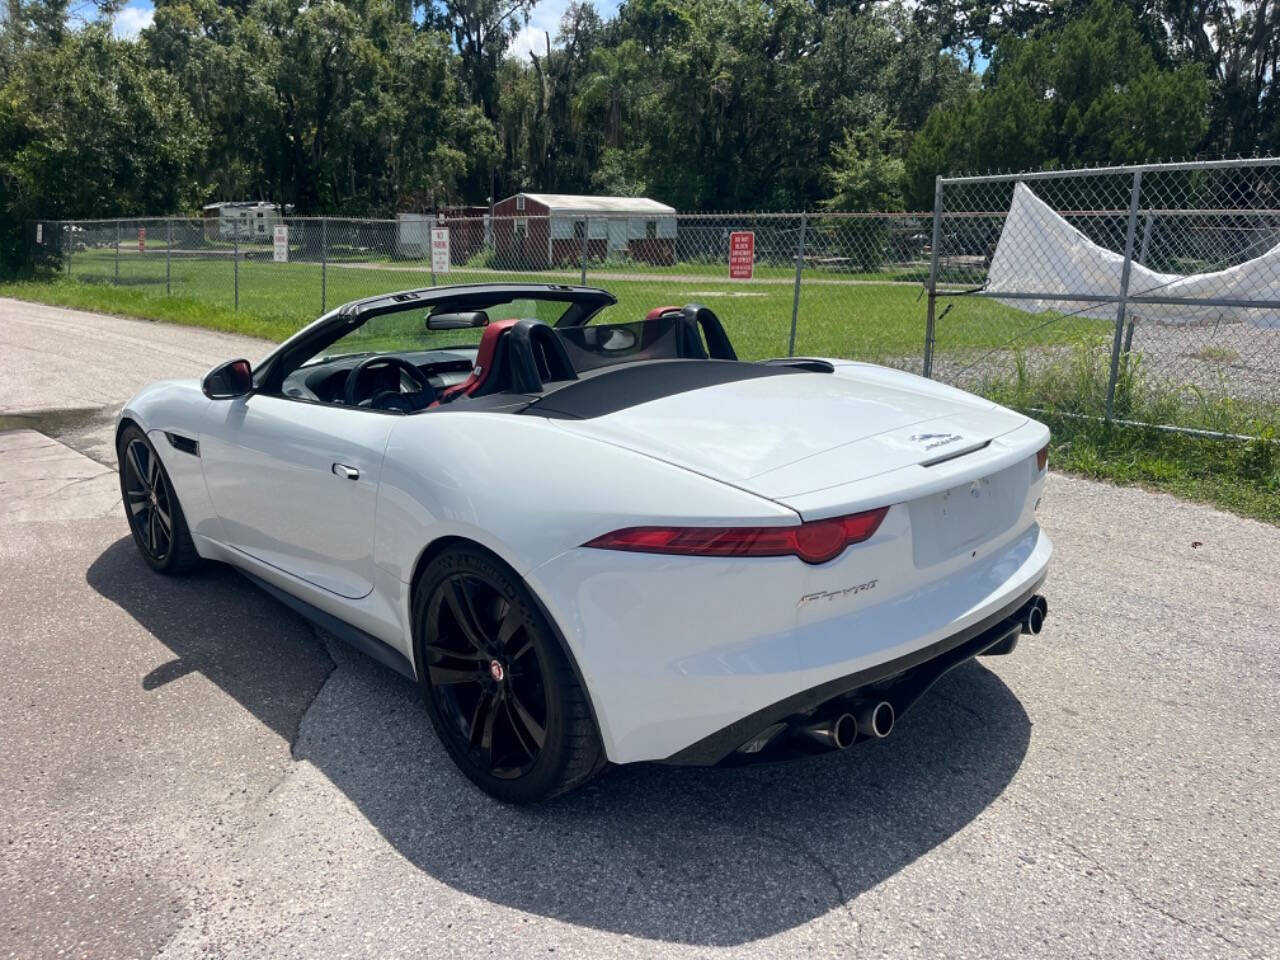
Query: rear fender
[{"x": 529, "y": 492}]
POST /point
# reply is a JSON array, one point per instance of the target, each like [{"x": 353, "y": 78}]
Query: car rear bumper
[
  {"x": 681, "y": 654},
  {"x": 770, "y": 733}
]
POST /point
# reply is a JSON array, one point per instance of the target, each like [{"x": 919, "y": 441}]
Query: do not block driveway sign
[{"x": 742, "y": 254}]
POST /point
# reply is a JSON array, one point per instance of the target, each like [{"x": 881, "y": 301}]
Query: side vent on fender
[{"x": 185, "y": 444}]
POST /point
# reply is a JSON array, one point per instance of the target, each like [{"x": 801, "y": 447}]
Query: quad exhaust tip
[
  {"x": 872, "y": 720},
  {"x": 837, "y": 732},
  {"x": 875, "y": 719},
  {"x": 1034, "y": 614}
]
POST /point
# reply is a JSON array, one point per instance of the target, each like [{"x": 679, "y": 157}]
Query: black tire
[
  {"x": 151, "y": 506},
  {"x": 472, "y": 612}
]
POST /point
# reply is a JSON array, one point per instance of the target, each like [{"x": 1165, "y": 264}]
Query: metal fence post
[
  {"x": 168, "y": 262},
  {"x": 1142, "y": 259},
  {"x": 69, "y": 231},
  {"x": 1146, "y": 237},
  {"x": 927, "y": 367},
  {"x": 116, "y": 280},
  {"x": 324, "y": 264},
  {"x": 795, "y": 298},
  {"x": 431, "y": 253},
  {"x": 235, "y": 264},
  {"x": 1122, "y": 306},
  {"x": 586, "y": 234}
]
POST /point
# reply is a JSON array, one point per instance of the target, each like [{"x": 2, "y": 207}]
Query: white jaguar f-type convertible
[{"x": 593, "y": 541}]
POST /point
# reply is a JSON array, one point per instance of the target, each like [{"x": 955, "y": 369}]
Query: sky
[
  {"x": 132, "y": 19},
  {"x": 545, "y": 19}
]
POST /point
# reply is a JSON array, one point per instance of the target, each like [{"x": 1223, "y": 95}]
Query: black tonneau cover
[{"x": 617, "y": 388}]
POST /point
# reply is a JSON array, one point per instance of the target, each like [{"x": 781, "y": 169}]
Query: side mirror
[
  {"x": 228, "y": 380},
  {"x": 459, "y": 320}
]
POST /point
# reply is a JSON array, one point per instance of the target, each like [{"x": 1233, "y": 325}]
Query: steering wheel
[{"x": 352, "y": 387}]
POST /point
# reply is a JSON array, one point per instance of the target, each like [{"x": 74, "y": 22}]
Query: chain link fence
[
  {"x": 826, "y": 284},
  {"x": 1147, "y": 294}
]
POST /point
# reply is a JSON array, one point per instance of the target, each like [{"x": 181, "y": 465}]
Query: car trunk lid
[{"x": 788, "y": 436}]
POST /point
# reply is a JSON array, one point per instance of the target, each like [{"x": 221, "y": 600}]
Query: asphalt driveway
[{"x": 188, "y": 769}]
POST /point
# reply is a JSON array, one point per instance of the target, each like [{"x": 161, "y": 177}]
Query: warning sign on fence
[
  {"x": 742, "y": 255},
  {"x": 439, "y": 249},
  {"x": 280, "y": 247},
  {"x": 142, "y": 239}
]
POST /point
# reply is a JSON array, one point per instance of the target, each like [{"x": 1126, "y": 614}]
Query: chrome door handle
[{"x": 349, "y": 473}]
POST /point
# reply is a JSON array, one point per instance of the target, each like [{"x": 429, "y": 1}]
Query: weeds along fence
[{"x": 1148, "y": 294}]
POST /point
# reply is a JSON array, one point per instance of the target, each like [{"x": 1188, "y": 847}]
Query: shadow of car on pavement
[{"x": 699, "y": 856}]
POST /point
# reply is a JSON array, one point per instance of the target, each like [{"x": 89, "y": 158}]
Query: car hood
[{"x": 788, "y": 435}]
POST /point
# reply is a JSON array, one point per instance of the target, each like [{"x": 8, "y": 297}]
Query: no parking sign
[{"x": 439, "y": 249}]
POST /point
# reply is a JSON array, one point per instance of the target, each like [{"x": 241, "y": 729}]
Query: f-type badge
[
  {"x": 833, "y": 594},
  {"x": 933, "y": 440}
]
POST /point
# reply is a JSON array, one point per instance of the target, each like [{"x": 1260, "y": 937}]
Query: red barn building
[{"x": 533, "y": 230}]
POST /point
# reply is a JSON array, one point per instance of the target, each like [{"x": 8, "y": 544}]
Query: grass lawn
[{"x": 860, "y": 319}]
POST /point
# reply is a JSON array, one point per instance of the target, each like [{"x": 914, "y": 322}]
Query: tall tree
[
  {"x": 482, "y": 30},
  {"x": 373, "y": 106},
  {"x": 1087, "y": 91},
  {"x": 1238, "y": 41},
  {"x": 89, "y": 129},
  {"x": 866, "y": 172},
  {"x": 332, "y": 107}
]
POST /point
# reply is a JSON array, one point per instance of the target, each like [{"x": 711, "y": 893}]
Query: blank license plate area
[{"x": 966, "y": 516}]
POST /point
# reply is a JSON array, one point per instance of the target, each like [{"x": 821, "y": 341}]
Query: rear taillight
[
  {"x": 1042, "y": 458},
  {"x": 815, "y": 542}
]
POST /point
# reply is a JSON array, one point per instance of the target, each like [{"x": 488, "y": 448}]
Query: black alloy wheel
[
  {"x": 484, "y": 674},
  {"x": 148, "y": 499},
  {"x": 151, "y": 506},
  {"x": 500, "y": 691}
]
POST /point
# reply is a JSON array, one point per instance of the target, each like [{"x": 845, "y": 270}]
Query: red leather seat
[
  {"x": 484, "y": 366},
  {"x": 658, "y": 312}
]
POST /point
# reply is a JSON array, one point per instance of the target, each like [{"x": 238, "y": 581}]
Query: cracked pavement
[{"x": 190, "y": 770}]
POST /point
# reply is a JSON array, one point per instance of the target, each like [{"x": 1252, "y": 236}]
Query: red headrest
[
  {"x": 658, "y": 312},
  {"x": 484, "y": 359}
]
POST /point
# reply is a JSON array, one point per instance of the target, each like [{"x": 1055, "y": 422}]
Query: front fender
[{"x": 168, "y": 412}]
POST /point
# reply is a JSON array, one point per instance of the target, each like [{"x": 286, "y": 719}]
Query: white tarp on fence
[{"x": 1039, "y": 252}]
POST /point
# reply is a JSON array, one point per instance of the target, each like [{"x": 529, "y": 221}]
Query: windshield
[{"x": 406, "y": 331}]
